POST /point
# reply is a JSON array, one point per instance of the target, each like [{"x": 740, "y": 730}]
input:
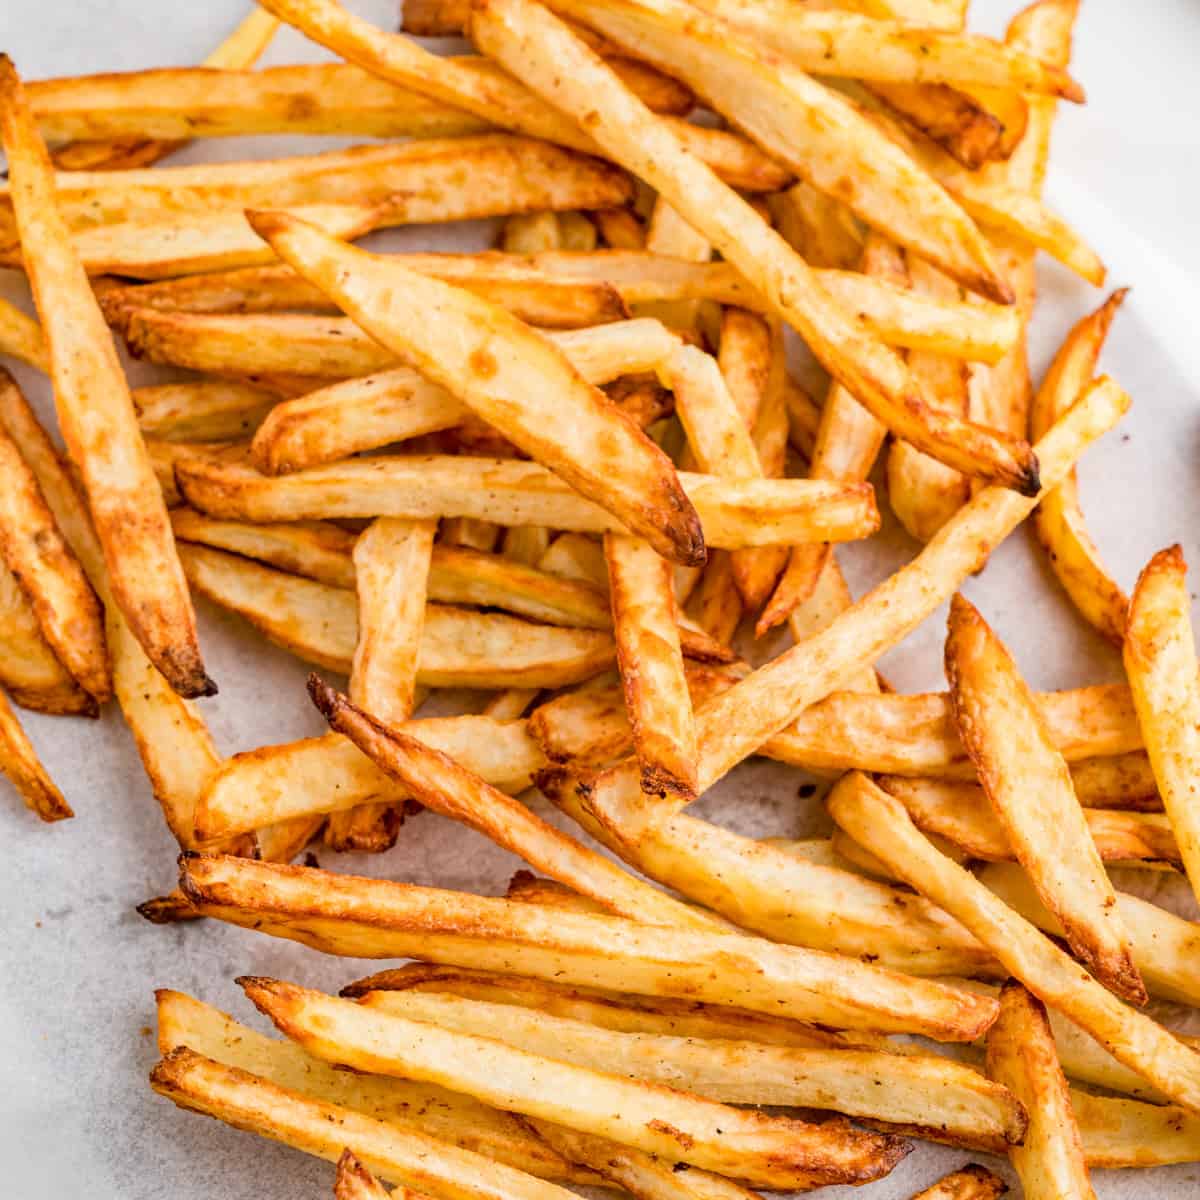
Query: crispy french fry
[
  {"x": 1059, "y": 520},
  {"x": 608, "y": 952},
  {"x": 355, "y": 1182},
  {"x": 973, "y": 1182},
  {"x": 66, "y": 608},
  {"x": 533, "y": 44},
  {"x": 401, "y": 1155},
  {"x": 496, "y": 366},
  {"x": 202, "y": 411},
  {"x": 880, "y": 1086},
  {"x": 824, "y": 232},
  {"x": 735, "y": 723},
  {"x": 882, "y": 826},
  {"x": 1021, "y": 1056},
  {"x": 775, "y": 1151},
  {"x": 734, "y": 513},
  {"x": 19, "y": 761},
  {"x": 1029, "y": 787},
  {"x": 1126, "y": 1133},
  {"x": 97, "y": 417},
  {"x": 22, "y": 337},
  {"x": 459, "y": 648},
  {"x": 651, "y": 665},
  {"x": 670, "y": 236},
  {"x": 969, "y": 131},
  {"x": 440, "y": 783},
  {"x": 1159, "y": 655}
]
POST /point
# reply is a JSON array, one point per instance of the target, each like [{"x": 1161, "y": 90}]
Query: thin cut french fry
[
  {"x": 882, "y": 826},
  {"x": 1021, "y": 1056},
  {"x": 19, "y": 761},
  {"x": 1160, "y": 653},
  {"x": 97, "y": 417},
  {"x": 1029, "y": 787},
  {"x": 21, "y": 336}
]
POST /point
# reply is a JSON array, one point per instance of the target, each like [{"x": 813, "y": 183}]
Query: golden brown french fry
[
  {"x": 735, "y": 723},
  {"x": 96, "y": 414},
  {"x": 202, "y": 411},
  {"x": 401, "y": 1155},
  {"x": 48, "y": 572},
  {"x": 949, "y": 1101},
  {"x": 1164, "y": 945},
  {"x": 242, "y": 48},
  {"x": 972, "y": 1182},
  {"x": 880, "y": 823},
  {"x": 1029, "y": 787},
  {"x": 821, "y": 230},
  {"x": 440, "y": 783},
  {"x": 775, "y": 1151},
  {"x": 533, "y": 44},
  {"x": 503, "y": 371},
  {"x": 1059, "y": 520},
  {"x": 530, "y": 233},
  {"x": 459, "y": 648},
  {"x": 1126, "y": 1133},
  {"x": 969, "y": 130},
  {"x": 22, "y": 337},
  {"x": 1021, "y": 1056},
  {"x": 651, "y": 665},
  {"x": 1159, "y": 653},
  {"x": 620, "y": 228},
  {"x": 734, "y": 513},
  {"x": 670, "y": 236},
  {"x": 355, "y": 1182},
  {"x": 19, "y": 761},
  {"x": 374, "y": 918}
]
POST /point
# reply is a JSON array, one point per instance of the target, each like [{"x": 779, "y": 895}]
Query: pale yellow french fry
[
  {"x": 1126, "y": 1133},
  {"x": 202, "y": 411},
  {"x": 533, "y": 44},
  {"x": 19, "y": 761},
  {"x": 375, "y": 918},
  {"x": 1059, "y": 520},
  {"x": 1029, "y": 787},
  {"x": 1159, "y": 656},
  {"x": 21, "y": 336},
  {"x": 1021, "y": 1056},
  {"x": 97, "y": 416},
  {"x": 880, "y": 823}
]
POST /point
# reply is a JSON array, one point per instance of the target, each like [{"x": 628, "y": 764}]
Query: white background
[{"x": 79, "y": 965}]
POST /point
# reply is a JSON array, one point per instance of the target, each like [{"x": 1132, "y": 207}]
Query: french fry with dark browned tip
[
  {"x": 242, "y": 48},
  {"x": 506, "y": 374},
  {"x": 440, "y": 783},
  {"x": 536, "y": 46},
  {"x": 774, "y": 1151},
  {"x": 880, "y": 824},
  {"x": 1160, "y": 656},
  {"x": 1029, "y": 787},
  {"x": 355, "y": 1182},
  {"x": 972, "y": 1182},
  {"x": 1020, "y": 1055},
  {"x": 19, "y": 761},
  {"x": 96, "y": 414},
  {"x": 68, "y": 612},
  {"x": 970, "y": 131},
  {"x": 22, "y": 337},
  {"x": 1059, "y": 520}
]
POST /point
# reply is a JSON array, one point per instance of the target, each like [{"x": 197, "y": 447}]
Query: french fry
[
  {"x": 651, "y": 665},
  {"x": 21, "y": 336},
  {"x": 735, "y": 723},
  {"x": 1159, "y": 656},
  {"x": 733, "y": 513},
  {"x": 44, "y": 566},
  {"x": 19, "y": 761},
  {"x": 242, "y": 48},
  {"x": 404, "y": 1156},
  {"x": 876, "y": 1085},
  {"x": 824, "y": 232},
  {"x": 670, "y": 236},
  {"x": 202, "y": 411},
  {"x": 97, "y": 417},
  {"x": 533, "y": 44},
  {"x": 1126, "y": 1133},
  {"x": 496, "y": 365},
  {"x": 1021, "y": 1056},
  {"x": 1059, "y": 520},
  {"x": 973, "y": 1182},
  {"x": 529, "y": 233},
  {"x": 1163, "y": 944},
  {"x": 882, "y": 826},
  {"x": 459, "y": 648},
  {"x": 355, "y": 1182},
  {"x": 969, "y": 130},
  {"x": 775, "y": 1151},
  {"x": 1017, "y": 762},
  {"x": 606, "y": 952},
  {"x": 405, "y": 1104},
  {"x": 324, "y": 774},
  {"x": 440, "y": 783}
]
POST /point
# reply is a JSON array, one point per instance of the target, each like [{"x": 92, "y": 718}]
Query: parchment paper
[{"x": 79, "y": 966}]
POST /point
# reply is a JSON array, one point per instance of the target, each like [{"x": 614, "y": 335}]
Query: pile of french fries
[{"x": 566, "y": 472}]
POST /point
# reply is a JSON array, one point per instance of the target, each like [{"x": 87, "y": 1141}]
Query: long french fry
[
  {"x": 1016, "y": 762},
  {"x": 882, "y": 826},
  {"x": 533, "y": 44},
  {"x": 22, "y": 337},
  {"x": 1159, "y": 653},
  {"x": 97, "y": 417},
  {"x": 19, "y": 761},
  {"x": 1021, "y": 1056}
]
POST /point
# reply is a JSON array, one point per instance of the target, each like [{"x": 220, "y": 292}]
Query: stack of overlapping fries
[{"x": 567, "y": 472}]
